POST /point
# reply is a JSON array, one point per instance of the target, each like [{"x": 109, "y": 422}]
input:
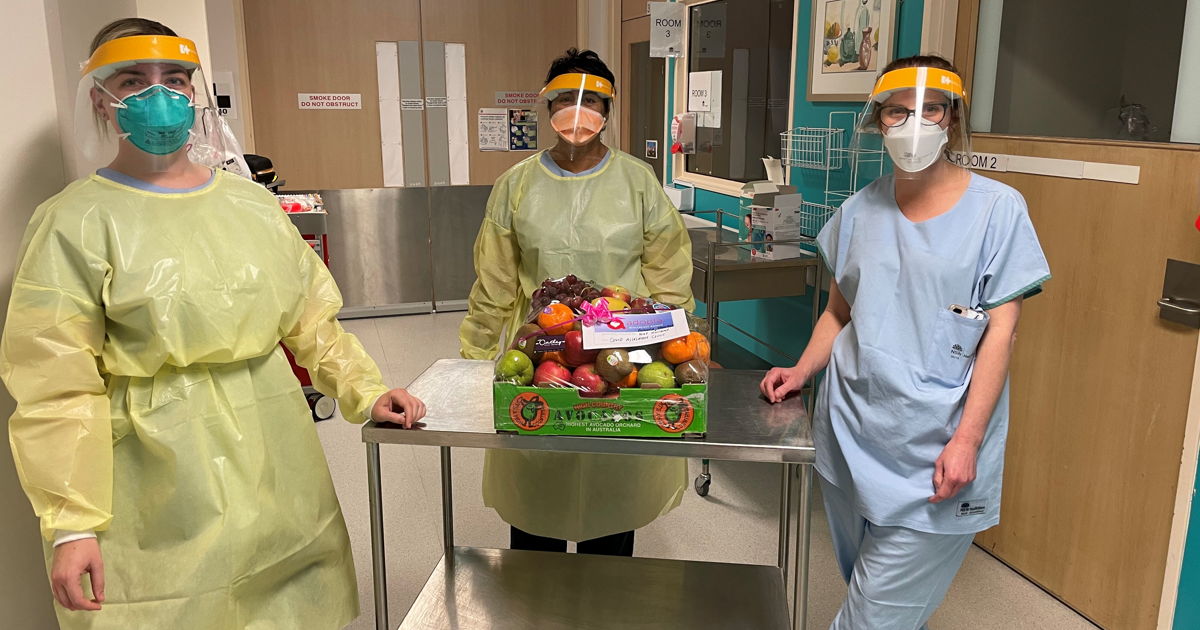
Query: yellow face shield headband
[
  {"x": 577, "y": 81},
  {"x": 911, "y": 78},
  {"x": 128, "y": 51}
]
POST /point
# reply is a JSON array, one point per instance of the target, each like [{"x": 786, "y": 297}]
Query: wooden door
[
  {"x": 642, "y": 94},
  {"x": 299, "y": 46},
  {"x": 509, "y": 46},
  {"x": 1100, "y": 384}
]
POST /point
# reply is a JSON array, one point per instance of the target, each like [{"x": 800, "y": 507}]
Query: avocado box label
[{"x": 639, "y": 412}]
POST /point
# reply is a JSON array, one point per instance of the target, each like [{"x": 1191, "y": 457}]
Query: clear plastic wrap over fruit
[{"x": 547, "y": 351}]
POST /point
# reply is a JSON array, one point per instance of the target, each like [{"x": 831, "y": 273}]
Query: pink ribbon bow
[{"x": 596, "y": 313}]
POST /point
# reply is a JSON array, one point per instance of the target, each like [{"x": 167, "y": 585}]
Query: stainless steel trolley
[{"x": 500, "y": 588}]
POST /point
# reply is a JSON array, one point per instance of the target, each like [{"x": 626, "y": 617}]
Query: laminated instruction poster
[
  {"x": 493, "y": 129},
  {"x": 502, "y": 129},
  {"x": 522, "y": 129}
]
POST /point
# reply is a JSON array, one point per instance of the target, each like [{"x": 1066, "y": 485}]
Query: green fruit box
[{"x": 633, "y": 412}]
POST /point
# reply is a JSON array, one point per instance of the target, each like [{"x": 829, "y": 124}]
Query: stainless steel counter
[
  {"x": 518, "y": 590},
  {"x": 742, "y": 424},
  {"x": 473, "y": 588}
]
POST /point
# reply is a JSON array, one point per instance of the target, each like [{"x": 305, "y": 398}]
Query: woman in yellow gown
[
  {"x": 578, "y": 208},
  {"x": 160, "y": 434}
]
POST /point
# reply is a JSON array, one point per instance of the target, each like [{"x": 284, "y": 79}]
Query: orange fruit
[
  {"x": 552, "y": 356},
  {"x": 630, "y": 380},
  {"x": 556, "y": 318},
  {"x": 703, "y": 349},
  {"x": 684, "y": 349}
]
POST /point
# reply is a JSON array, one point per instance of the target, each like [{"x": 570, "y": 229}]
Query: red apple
[
  {"x": 641, "y": 305},
  {"x": 588, "y": 381},
  {"x": 616, "y": 291},
  {"x": 573, "y": 354},
  {"x": 551, "y": 374}
]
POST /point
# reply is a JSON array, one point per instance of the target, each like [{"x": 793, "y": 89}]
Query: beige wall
[
  {"x": 50, "y": 38},
  {"x": 70, "y": 27},
  {"x": 32, "y": 172},
  {"x": 228, "y": 55}
]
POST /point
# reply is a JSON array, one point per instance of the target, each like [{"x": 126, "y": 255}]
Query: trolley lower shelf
[{"x": 502, "y": 589}]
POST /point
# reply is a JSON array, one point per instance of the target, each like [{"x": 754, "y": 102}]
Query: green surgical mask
[{"x": 156, "y": 120}]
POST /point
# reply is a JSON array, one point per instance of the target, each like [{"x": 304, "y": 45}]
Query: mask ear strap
[{"x": 116, "y": 101}]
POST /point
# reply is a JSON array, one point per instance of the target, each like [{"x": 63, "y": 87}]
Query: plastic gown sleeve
[
  {"x": 334, "y": 358},
  {"x": 61, "y": 432},
  {"x": 494, "y": 294},
  {"x": 667, "y": 253}
]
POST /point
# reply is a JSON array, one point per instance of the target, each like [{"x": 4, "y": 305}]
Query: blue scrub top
[
  {"x": 553, "y": 166},
  {"x": 899, "y": 371}
]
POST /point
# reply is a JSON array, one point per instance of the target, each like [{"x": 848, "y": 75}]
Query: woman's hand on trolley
[
  {"x": 398, "y": 407},
  {"x": 780, "y": 381},
  {"x": 71, "y": 561},
  {"x": 954, "y": 468}
]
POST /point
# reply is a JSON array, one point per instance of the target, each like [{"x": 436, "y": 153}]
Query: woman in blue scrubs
[{"x": 930, "y": 268}]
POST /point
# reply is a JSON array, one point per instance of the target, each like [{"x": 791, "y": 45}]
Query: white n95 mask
[{"x": 914, "y": 146}]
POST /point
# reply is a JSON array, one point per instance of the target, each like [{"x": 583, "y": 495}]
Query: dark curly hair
[{"x": 585, "y": 61}]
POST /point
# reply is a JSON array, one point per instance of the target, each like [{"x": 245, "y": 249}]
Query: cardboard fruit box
[
  {"x": 633, "y": 412},
  {"x": 600, "y": 362}
]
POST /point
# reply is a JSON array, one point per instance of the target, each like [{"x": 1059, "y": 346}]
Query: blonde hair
[
  {"x": 124, "y": 27},
  {"x": 128, "y": 27}
]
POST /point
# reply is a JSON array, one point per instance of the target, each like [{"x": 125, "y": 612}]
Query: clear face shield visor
[
  {"x": 148, "y": 91},
  {"x": 917, "y": 116},
  {"x": 577, "y": 104}
]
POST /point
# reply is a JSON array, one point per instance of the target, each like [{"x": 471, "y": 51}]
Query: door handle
[
  {"x": 1180, "y": 301},
  {"x": 1171, "y": 304}
]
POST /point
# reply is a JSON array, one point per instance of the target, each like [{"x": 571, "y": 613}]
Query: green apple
[
  {"x": 515, "y": 367},
  {"x": 656, "y": 374}
]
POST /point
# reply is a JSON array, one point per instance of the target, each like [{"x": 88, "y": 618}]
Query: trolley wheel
[
  {"x": 703, "y": 481},
  {"x": 322, "y": 406}
]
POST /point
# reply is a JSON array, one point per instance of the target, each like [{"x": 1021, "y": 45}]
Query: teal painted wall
[
  {"x": 785, "y": 322},
  {"x": 1187, "y": 606}
]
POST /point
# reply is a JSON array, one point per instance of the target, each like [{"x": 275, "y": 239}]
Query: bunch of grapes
[{"x": 569, "y": 290}]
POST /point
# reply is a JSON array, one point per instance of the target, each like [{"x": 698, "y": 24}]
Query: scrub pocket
[{"x": 952, "y": 347}]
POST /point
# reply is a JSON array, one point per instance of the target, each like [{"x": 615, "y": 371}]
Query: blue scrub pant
[{"x": 896, "y": 576}]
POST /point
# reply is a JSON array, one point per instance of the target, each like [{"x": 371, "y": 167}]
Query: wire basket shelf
[
  {"x": 813, "y": 217},
  {"x": 813, "y": 148}
]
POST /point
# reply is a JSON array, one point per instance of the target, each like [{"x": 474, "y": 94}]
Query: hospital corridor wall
[{"x": 32, "y": 171}]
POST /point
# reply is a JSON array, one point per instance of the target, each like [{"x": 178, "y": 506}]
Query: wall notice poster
[
  {"x": 330, "y": 101},
  {"x": 493, "y": 129},
  {"x": 522, "y": 129},
  {"x": 512, "y": 97}
]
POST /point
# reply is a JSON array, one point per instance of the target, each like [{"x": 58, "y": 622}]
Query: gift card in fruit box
[{"x": 629, "y": 330}]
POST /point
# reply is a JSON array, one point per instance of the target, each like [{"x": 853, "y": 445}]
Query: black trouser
[{"x": 614, "y": 545}]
